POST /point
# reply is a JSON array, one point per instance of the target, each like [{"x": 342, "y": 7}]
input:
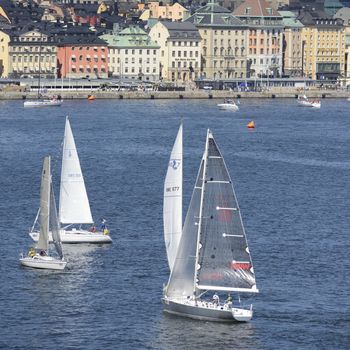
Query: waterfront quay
[{"x": 186, "y": 94}]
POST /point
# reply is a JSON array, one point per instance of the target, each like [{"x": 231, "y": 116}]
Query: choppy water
[{"x": 292, "y": 180}]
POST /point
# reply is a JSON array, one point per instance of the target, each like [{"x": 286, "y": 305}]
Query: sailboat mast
[
  {"x": 39, "y": 82},
  {"x": 205, "y": 157}
]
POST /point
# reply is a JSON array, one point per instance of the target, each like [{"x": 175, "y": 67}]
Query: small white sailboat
[
  {"x": 74, "y": 206},
  {"x": 228, "y": 105},
  {"x": 304, "y": 101},
  {"x": 43, "y": 102},
  {"x": 39, "y": 257},
  {"x": 213, "y": 253}
]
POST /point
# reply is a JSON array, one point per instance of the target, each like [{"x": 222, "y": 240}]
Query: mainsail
[
  {"x": 54, "y": 223},
  {"x": 172, "y": 205},
  {"x": 224, "y": 261},
  {"x": 43, "y": 241},
  {"x": 74, "y": 207}
]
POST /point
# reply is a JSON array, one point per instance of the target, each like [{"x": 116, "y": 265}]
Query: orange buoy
[
  {"x": 91, "y": 97},
  {"x": 251, "y": 125}
]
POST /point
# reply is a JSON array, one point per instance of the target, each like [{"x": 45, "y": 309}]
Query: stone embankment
[{"x": 190, "y": 94}]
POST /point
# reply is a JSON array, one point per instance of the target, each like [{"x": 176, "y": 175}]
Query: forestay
[
  {"x": 74, "y": 207},
  {"x": 224, "y": 261},
  {"x": 43, "y": 241},
  {"x": 172, "y": 205}
]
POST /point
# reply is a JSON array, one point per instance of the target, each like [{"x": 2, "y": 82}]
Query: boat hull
[
  {"x": 77, "y": 236},
  {"x": 43, "y": 103},
  {"x": 228, "y": 107},
  {"x": 207, "y": 313},
  {"x": 314, "y": 104},
  {"x": 47, "y": 263}
]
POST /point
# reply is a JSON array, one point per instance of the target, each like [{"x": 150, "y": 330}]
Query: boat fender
[{"x": 106, "y": 231}]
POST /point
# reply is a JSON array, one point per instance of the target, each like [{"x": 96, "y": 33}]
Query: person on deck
[
  {"x": 229, "y": 300},
  {"x": 216, "y": 299}
]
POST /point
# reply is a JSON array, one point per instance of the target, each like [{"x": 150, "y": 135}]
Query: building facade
[
  {"x": 82, "y": 57},
  {"x": 265, "y": 38},
  {"x": 174, "y": 12},
  {"x": 292, "y": 45},
  {"x": 32, "y": 53},
  {"x": 4, "y": 54},
  {"x": 132, "y": 55},
  {"x": 180, "y": 50},
  {"x": 224, "y": 42}
]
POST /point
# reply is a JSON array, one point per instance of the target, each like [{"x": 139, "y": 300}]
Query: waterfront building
[
  {"x": 4, "y": 53},
  {"x": 174, "y": 12},
  {"x": 132, "y": 55},
  {"x": 224, "y": 42},
  {"x": 180, "y": 50},
  {"x": 82, "y": 57},
  {"x": 31, "y": 52},
  {"x": 265, "y": 38},
  {"x": 292, "y": 44},
  {"x": 323, "y": 45}
]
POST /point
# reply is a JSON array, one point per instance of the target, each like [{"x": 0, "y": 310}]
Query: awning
[
  {"x": 87, "y": 56},
  {"x": 81, "y": 66},
  {"x": 95, "y": 56},
  {"x": 103, "y": 56}
]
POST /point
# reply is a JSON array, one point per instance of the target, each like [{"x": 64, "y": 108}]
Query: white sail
[
  {"x": 43, "y": 241},
  {"x": 74, "y": 205},
  {"x": 172, "y": 205}
]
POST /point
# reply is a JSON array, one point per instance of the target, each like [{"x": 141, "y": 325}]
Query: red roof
[{"x": 255, "y": 8}]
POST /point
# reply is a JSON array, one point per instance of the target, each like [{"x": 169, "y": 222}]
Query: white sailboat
[
  {"x": 74, "y": 206},
  {"x": 39, "y": 257},
  {"x": 212, "y": 255},
  {"x": 172, "y": 206}
]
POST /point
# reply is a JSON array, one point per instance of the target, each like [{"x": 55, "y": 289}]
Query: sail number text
[{"x": 173, "y": 189}]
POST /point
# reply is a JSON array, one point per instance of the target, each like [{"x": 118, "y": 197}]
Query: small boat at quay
[{"x": 304, "y": 101}]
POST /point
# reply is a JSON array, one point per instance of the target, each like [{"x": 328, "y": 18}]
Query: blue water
[{"x": 292, "y": 180}]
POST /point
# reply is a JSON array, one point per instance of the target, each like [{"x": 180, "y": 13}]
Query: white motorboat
[
  {"x": 304, "y": 101},
  {"x": 228, "y": 105},
  {"x": 74, "y": 206},
  {"x": 39, "y": 256},
  {"x": 52, "y": 102},
  {"x": 211, "y": 251}
]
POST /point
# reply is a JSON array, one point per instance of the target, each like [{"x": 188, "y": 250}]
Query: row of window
[
  {"x": 133, "y": 51},
  {"x": 185, "y": 43},
  {"x": 222, "y": 32},
  {"x": 88, "y": 59},
  {"x": 184, "y": 53},
  {"x": 133, "y": 60},
  {"x": 263, "y": 51},
  {"x": 32, "y": 49},
  {"x": 222, "y": 42},
  {"x": 181, "y": 64},
  {"x": 262, "y": 41},
  {"x": 87, "y": 70},
  {"x": 33, "y": 59},
  {"x": 221, "y": 64},
  {"x": 132, "y": 70}
]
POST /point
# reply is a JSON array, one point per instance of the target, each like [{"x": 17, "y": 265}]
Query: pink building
[{"x": 82, "y": 58}]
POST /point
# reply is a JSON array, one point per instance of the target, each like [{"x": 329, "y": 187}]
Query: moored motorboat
[
  {"x": 304, "y": 101},
  {"x": 228, "y": 105}
]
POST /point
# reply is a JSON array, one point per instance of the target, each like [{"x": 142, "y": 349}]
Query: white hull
[
  {"x": 42, "y": 103},
  {"x": 77, "y": 236},
  {"x": 309, "y": 103},
  {"x": 228, "y": 106},
  {"x": 43, "y": 262},
  {"x": 207, "y": 311}
]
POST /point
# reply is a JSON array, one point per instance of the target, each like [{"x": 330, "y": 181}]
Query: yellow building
[
  {"x": 175, "y": 12},
  {"x": 323, "y": 49},
  {"x": 4, "y": 54}
]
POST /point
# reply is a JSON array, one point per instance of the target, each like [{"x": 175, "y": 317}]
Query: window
[
  {"x": 179, "y": 53},
  {"x": 133, "y": 52},
  {"x": 147, "y": 52}
]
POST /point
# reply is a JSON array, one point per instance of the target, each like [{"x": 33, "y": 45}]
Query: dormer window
[
  {"x": 247, "y": 10},
  {"x": 269, "y": 10}
]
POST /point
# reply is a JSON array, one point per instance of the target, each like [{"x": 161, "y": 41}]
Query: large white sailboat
[
  {"x": 212, "y": 255},
  {"x": 39, "y": 256},
  {"x": 74, "y": 206}
]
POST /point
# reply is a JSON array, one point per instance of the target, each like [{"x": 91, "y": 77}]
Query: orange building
[{"x": 82, "y": 58}]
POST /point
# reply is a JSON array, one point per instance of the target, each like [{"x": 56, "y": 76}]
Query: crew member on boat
[
  {"x": 31, "y": 252},
  {"x": 229, "y": 300},
  {"x": 216, "y": 299}
]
